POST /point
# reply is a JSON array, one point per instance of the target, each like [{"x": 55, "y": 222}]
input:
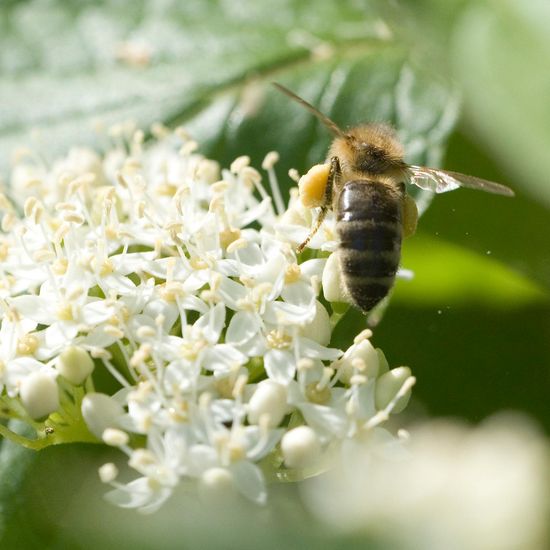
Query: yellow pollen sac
[
  {"x": 153, "y": 484},
  {"x": 59, "y": 267},
  {"x": 220, "y": 186},
  {"x": 124, "y": 313},
  {"x": 4, "y": 249},
  {"x": 237, "y": 245},
  {"x": 167, "y": 189},
  {"x": 65, "y": 313},
  {"x": 248, "y": 282},
  {"x": 7, "y": 282},
  {"x": 239, "y": 163},
  {"x": 54, "y": 223},
  {"x": 317, "y": 395},
  {"x": 170, "y": 291},
  {"x": 228, "y": 236},
  {"x": 312, "y": 185},
  {"x": 43, "y": 255},
  {"x": 12, "y": 315},
  {"x": 217, "y": 204},
  {"x": 276, "y": 339},
  {"x": 8, "y": 221},
  {"x": 111, "y": 232},
  {"x": 224, "y": 386},
  {"x": 292, "y": 273},
  {"x": 236, "y": 452},
  {"x": 180, "y": 412},
  {"x": 113, "y": 331},
  {"x": 141, "y": 355},
  {"x": 27, "y": 345},
  {"x": 210, "y": 296},
  {"x": 198, "y": 263},
  {"x": 104, "y": 268},
  {"x": 131, "y": 164},
  {"x": 191, "y": 350},
  {"x": 113, "y": 321},
  {"x": 260, "y": 291}
]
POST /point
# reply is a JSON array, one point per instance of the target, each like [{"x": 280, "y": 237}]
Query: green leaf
[
  {"x": 207, "y": 64},
  {"x": 15, "y": 462},
  {"x": 500, "y": 54},
  {"x": 515, "y": 231},
  {"x": 446, "y": 275}
]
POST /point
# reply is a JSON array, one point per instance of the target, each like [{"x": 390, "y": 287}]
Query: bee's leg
[
  {"x": 332, "y": 180},
  {"x": 410, "y": 216}
]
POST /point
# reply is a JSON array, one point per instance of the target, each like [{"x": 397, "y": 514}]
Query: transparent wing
[{"x": 441, "y": 181}]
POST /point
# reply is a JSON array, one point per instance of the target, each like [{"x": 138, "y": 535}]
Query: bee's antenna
[{"x": 332, "y": 126}]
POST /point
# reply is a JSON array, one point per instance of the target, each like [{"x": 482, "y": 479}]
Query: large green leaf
[
  {"x": 207, "y": 64},
  {"x": 15, "y": 462},
  {"x": 447, "y": 275},
  {"x": 500, "y": 53}
]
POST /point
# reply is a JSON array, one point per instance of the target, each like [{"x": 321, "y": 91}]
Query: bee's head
[{"x": 373, "y": 149}]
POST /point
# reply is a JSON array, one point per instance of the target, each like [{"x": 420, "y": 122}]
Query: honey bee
[{"x": 365, "y": 185}]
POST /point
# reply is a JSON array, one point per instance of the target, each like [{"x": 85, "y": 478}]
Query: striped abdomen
[{"x": 369, "y": 228}]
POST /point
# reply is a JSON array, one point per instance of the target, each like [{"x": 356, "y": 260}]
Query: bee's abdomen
[{"x": 369, "y": 228}]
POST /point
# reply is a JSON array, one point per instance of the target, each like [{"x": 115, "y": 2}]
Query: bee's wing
[{"x": 441, "y": 181}]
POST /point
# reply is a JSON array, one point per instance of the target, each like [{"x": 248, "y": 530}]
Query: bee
[{"x": 365, "y": 186}]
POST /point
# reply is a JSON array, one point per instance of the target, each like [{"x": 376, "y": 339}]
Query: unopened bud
[
  {"x": 361, "y": 358},
  {"x": 100, "y": 412},
  {"x": 269, "y": 398},
  {"x": 333, "y": 289},
  {"x": 319, "y": 328},
  {"x": 75, "y": 364},
  {"x": 301, "y": 447},
  {"x": 387, "y": 387},
  {"x": 39, "y": 395}
]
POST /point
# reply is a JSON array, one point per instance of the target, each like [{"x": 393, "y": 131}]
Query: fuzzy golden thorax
[{"x": 371, "y": 150}]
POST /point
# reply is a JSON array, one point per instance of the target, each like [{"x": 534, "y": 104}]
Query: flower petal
[
  {"x": 280, "y": 365},
  {"x": 249, "y": 481},
  {"x": 242, "y": 327}
]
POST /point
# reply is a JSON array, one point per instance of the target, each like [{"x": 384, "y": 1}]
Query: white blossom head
[{"x": 180, "y": 281}]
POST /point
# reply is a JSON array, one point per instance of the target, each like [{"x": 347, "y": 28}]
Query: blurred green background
[{"x": 466, "y": 83}]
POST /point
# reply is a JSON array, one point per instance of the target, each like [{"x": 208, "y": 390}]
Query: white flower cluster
[
  {"x": 451, "y": 486},
  {"x": 182, "y": 282}
]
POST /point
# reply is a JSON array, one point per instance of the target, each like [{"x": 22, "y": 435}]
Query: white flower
[
  {"x": 181, "y": 281},
  {"x": 449, "y": 486}
]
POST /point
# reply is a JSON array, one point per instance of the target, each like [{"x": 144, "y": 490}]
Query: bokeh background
[{"x": 465, "y": 82}]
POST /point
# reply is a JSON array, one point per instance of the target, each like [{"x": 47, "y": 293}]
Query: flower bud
[
  {"x": 301, "y": 447},
  {"x": 333, "y": 290},
  {"x": 383, "y": 365},
  {"x": 269, "y": 400},
  {"x": 75, "y": 364},
  {"x": 100, "y": 412},
  {"x": 39, "y": 395},
  {"x": 387, "y": 387},
  {"x": 319, "y": 328},
  {"x": 362, "y": 358}
]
